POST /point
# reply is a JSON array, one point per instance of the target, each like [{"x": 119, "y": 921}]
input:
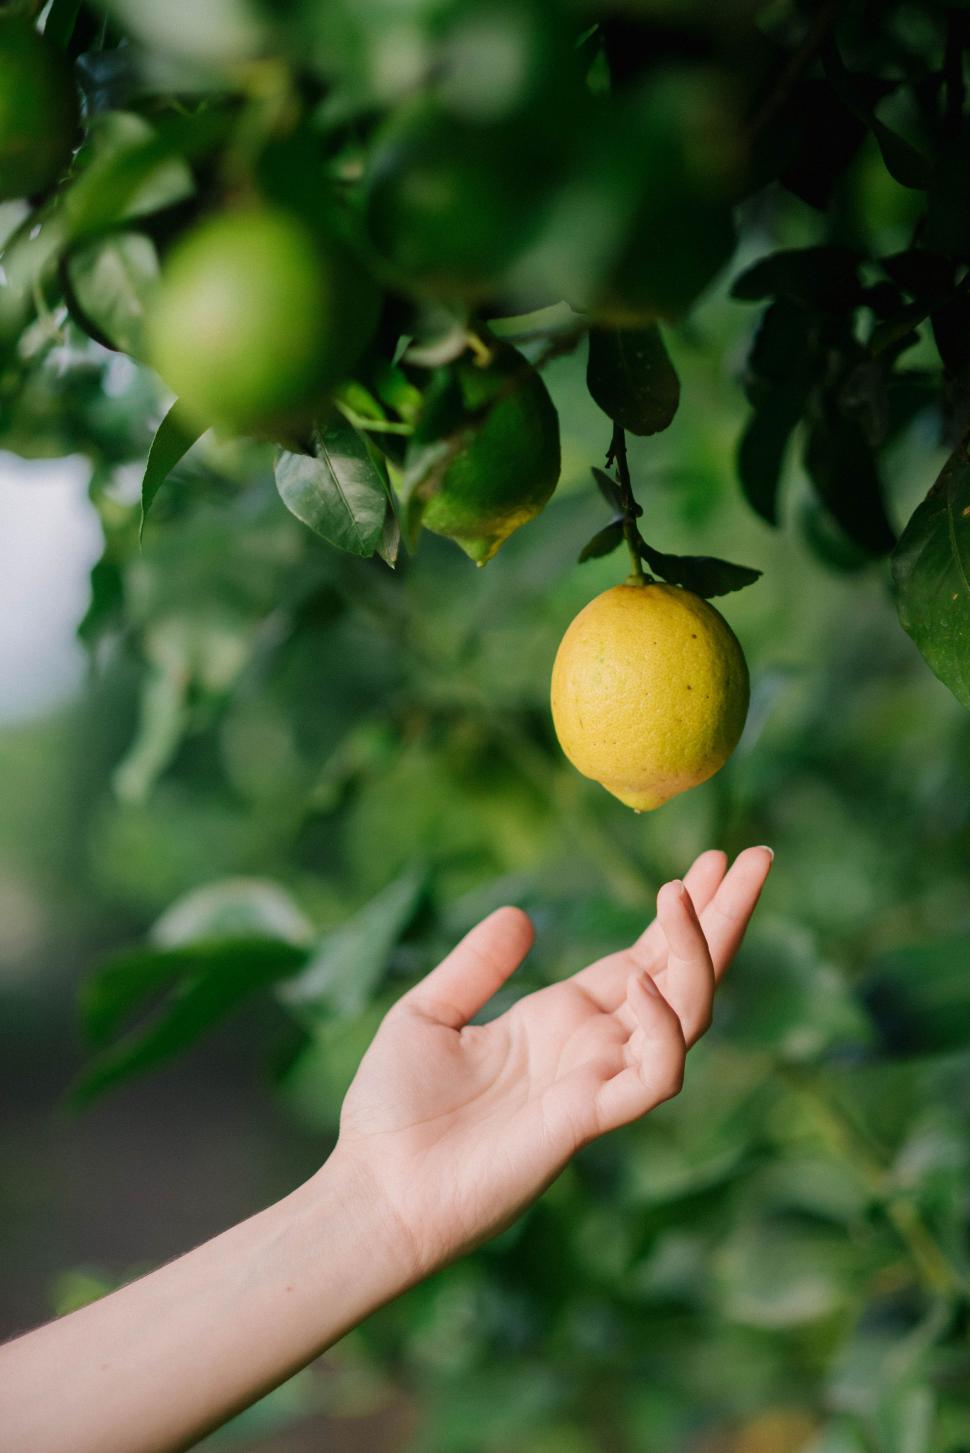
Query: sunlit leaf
[
  {"x": 340, "y": 491},
  {"x": 112, "y": 280}
]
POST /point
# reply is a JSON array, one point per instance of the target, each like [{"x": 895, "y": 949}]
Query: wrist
[{"x": 345, "y": 1203}]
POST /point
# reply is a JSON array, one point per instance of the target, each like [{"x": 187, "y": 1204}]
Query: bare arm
[{"x": 448, "y": 1132}]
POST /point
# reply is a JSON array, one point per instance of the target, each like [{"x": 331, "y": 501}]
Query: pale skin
[{"x": 449, "y": 1130}]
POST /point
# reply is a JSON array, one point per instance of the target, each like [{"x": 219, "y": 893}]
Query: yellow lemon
[{"x": 649, "y": 692}]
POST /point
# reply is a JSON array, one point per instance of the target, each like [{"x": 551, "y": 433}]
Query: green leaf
[
  {"x": 903, "y": 161},
  {"x": 842, "y": 467},
  {"x": 761, "y": 450},
  {"x": 919, "y": 997},
  {"x": 608, "y": 488},
  {"x": 931, "y": 576},
  {"x": 207, "y": 981},
  {"x": 129, "y": 169},
  {"x": 106, "y": 603},
  {"x": 817, "y": 277},
  {"x": 111, "y": 281},
  {"x": 232, "y": 908},
  {"x": 60, "y": 22},
  {"x": 604, "y": 542},
  {"x": 345, "y": 972},
  {"x": 631, "y": 377},
  {"x": 703, "y": 574},
  {"x": 390, "y": 542},
  {"x": 784, "y": 353},
  {"x": 340, "y": 491},
  {"x": 173, "y": 440}
]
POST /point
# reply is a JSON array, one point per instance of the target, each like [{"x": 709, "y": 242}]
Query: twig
[{"x": 616, "y": 455}]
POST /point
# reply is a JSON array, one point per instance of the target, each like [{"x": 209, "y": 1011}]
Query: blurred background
[{"x": 267, "y": 742}]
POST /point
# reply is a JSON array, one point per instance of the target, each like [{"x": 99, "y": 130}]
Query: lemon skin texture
[
  {"x": 38, "y": 110},
  {"x": 257, "y": 318},
  {"x": 508, "y": 470},
  {"x": 649, "y": 692}
]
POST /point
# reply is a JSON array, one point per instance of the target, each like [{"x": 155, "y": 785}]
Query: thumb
[{"x": 479, "y": 965}]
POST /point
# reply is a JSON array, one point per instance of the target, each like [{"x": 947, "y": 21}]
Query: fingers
[
  {"x": 657, "y": 1049},
  {"x": 463, "y": 983},
  {"x": 701, "y": 880},
  {"x": 605, "y": 981},
  {"x": 689, "y": 974},
  {"x": 726, "y": 916}
]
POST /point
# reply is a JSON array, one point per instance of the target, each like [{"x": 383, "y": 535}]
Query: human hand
[{"x": 456, "y": 1127}]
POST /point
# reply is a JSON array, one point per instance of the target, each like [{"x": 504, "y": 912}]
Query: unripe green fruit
[
  {"x": 257, "y": 318},
  {"x": 38, "y": 110},
  {"x": 508, "y": 468}
]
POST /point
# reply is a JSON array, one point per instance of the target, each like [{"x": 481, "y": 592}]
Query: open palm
[{"x": 458, "y": 1126}]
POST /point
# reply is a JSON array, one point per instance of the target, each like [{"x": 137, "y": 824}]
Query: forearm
[{"x": 159, "y": 1363}]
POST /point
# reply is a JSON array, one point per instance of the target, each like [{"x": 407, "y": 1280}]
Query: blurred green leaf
[
  {"x": 347, "y": 968},
  {"x": 173, "y": 439},
  {"x": 130, "y": 169},
  {"x": 761, "y": 451},
  {"x": 340, "y": 491},
  {"x": 931, "y": 576},
  {"x": 816, "y": 277},
  {"x": 232, "y": 908},
  {"x": 789, "y": 1004},
  {"x": 845, "y": 474},
  {"x": 111, "y": 280},
  {"x": 631, "y": 377},
  {"x": 60, "y": 22},
  {"x": 919, "y": 997},
  {"x": 782, "y": 1273},
  {"x": 206, "y": 981}
]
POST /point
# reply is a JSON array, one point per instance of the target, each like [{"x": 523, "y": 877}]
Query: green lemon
[
  {"x": 451, "y": 203},
  {"x": 501, "y": 466},
  {"x": 257, "y": 318},
  {"x": 38, "y": 110}
]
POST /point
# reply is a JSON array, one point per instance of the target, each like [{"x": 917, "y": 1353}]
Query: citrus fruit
[
  {"x": 450, "y": 203},
  {"x": 257, "y": 316},
  {"x": 38, "y": 110},
  {"x": 649, "y": 692},
  {"x": 502, "y": 463}
]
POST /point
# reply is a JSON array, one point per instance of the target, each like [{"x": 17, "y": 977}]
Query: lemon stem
[{"x": 617, "y": 456}]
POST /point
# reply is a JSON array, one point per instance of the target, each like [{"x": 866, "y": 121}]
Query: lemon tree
[{"x": 558, "y": 288}]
